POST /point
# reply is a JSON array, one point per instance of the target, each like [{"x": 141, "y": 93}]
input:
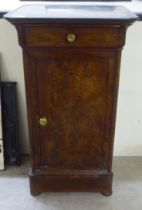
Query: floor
[{"x": 127, "y": 190}]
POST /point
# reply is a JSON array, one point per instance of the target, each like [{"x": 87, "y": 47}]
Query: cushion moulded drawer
[{"x": 98, "y": 37}]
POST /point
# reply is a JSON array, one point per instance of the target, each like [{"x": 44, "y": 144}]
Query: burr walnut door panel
[{"x": 75, "y": 95}]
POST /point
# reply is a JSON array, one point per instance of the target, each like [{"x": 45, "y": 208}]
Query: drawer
[{"x": 99, "y": 37}]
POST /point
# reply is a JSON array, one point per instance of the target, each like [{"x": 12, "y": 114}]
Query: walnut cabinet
[{"x": 71, "y": 66}]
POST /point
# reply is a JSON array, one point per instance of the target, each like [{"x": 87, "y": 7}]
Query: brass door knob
[
  {"x": 71, "y": 38},
  {"x": 43, "y": 121}
]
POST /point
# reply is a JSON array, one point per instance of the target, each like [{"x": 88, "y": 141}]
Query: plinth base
[{"x": 71, "y": 183}]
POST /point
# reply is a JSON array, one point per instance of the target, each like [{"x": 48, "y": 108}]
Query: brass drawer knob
[
  {"x": 43, "y": 121},
  {"x": 71, "y": 38}
]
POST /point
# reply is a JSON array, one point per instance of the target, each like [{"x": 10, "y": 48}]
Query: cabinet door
[{"x": 75, "y": 93}]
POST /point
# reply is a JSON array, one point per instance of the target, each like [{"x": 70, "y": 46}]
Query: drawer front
[{"x": 99, "y": 37}]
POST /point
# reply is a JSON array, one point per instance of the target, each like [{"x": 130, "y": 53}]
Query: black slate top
[
  {"x": 71, "y": 12},
  {"x": 2, "y": 13}
]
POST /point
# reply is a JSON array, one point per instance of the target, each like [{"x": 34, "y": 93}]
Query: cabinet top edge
[{"x": 72, "y": 13}]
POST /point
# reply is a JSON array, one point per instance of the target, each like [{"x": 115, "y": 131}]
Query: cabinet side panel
[{"x": 32, "y": 106}]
